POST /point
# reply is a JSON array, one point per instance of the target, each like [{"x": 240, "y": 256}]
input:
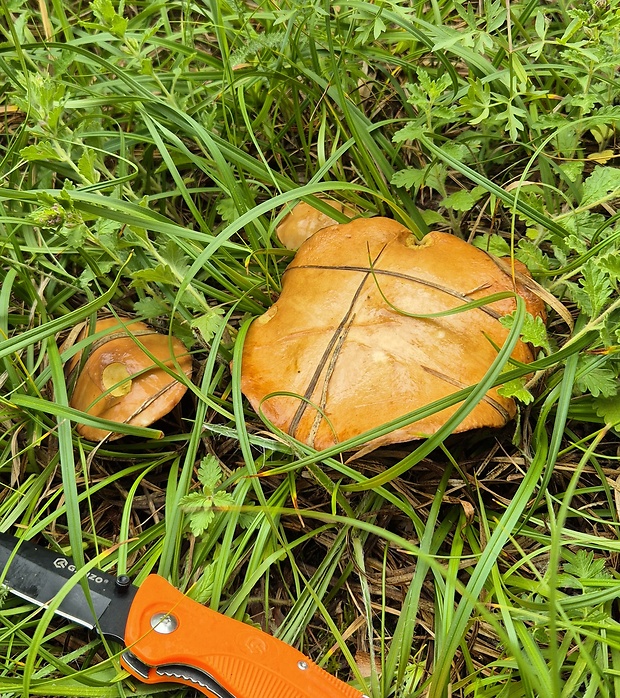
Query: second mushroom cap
[{"x": 123, "y": 382}]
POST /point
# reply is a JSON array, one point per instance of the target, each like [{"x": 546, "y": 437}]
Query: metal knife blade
[{"x": 36, "y": 574}]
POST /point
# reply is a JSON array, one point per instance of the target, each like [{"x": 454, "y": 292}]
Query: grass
[{"x": 146, "y": 155}]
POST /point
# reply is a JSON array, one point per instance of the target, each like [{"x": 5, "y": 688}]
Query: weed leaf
[
  {"x": 609, "y": 409},
  {"x": 209, "y": 323},
  {"x": 602, "y": 182},
  {"x": 600, "y": 381},
  {"x": 533, "y": 331},
  {"x": 43, "y": 150},
  {"x": 209, "y": 473}
]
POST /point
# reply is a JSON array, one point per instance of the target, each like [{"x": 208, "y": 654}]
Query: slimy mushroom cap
[
  {"x": 122, "y": 382},
  {"x": 335, "y": 357}
]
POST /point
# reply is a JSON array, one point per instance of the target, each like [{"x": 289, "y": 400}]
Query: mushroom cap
[
  {"x": 119, "y": 381},
  {"x": 305, "y": 220},
  {"x": 348, "y": 362}
]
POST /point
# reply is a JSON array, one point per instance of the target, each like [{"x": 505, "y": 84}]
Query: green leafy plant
[{"x": 201, "y": 507}]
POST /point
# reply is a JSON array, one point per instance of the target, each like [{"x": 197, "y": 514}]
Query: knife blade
[{"x": 168, "y": 637}]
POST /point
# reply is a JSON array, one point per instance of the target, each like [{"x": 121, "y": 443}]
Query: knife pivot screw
[
  {"x": 164, "y": 623},
  {"x": 301, "y": 665},
  {"x": 122, "y": 583}
]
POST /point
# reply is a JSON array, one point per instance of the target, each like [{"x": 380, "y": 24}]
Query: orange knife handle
[{"x": 243, "y": 660}]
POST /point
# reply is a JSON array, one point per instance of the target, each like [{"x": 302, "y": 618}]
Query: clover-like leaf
[
  {"x": 209, "y": 323},
  {"x": 609, "y": 409}
]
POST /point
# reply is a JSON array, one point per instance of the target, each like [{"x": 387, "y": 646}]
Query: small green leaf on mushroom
[{"x": 115, "y": 378}]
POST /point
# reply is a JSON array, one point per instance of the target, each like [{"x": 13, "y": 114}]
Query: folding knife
[{"x": 167, "y": 636}]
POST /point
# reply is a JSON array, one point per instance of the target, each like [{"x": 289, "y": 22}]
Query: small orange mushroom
[
  {"x": 332, "y": 358},
  {"x": 305, "y": 220},
  {"x": 124, "y": 383}
]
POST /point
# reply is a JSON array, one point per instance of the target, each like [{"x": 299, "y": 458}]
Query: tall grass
[{"x": 147, "y": 152}]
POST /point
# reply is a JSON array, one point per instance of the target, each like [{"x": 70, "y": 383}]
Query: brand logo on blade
[{"x": 61, "y": 563}]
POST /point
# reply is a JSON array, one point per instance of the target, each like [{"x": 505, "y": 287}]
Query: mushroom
[
  {"x": 335, "y": 357},
  {"x": 305, "y": 220},
  {"x": 124, "y": 383}
]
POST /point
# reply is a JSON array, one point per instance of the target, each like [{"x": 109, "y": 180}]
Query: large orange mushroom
[
  {"x": 122, "y": 382},
  {"x": 334, "y": 357}
]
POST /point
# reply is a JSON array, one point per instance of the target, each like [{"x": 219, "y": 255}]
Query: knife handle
[{"x": 173, "y": 635}]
